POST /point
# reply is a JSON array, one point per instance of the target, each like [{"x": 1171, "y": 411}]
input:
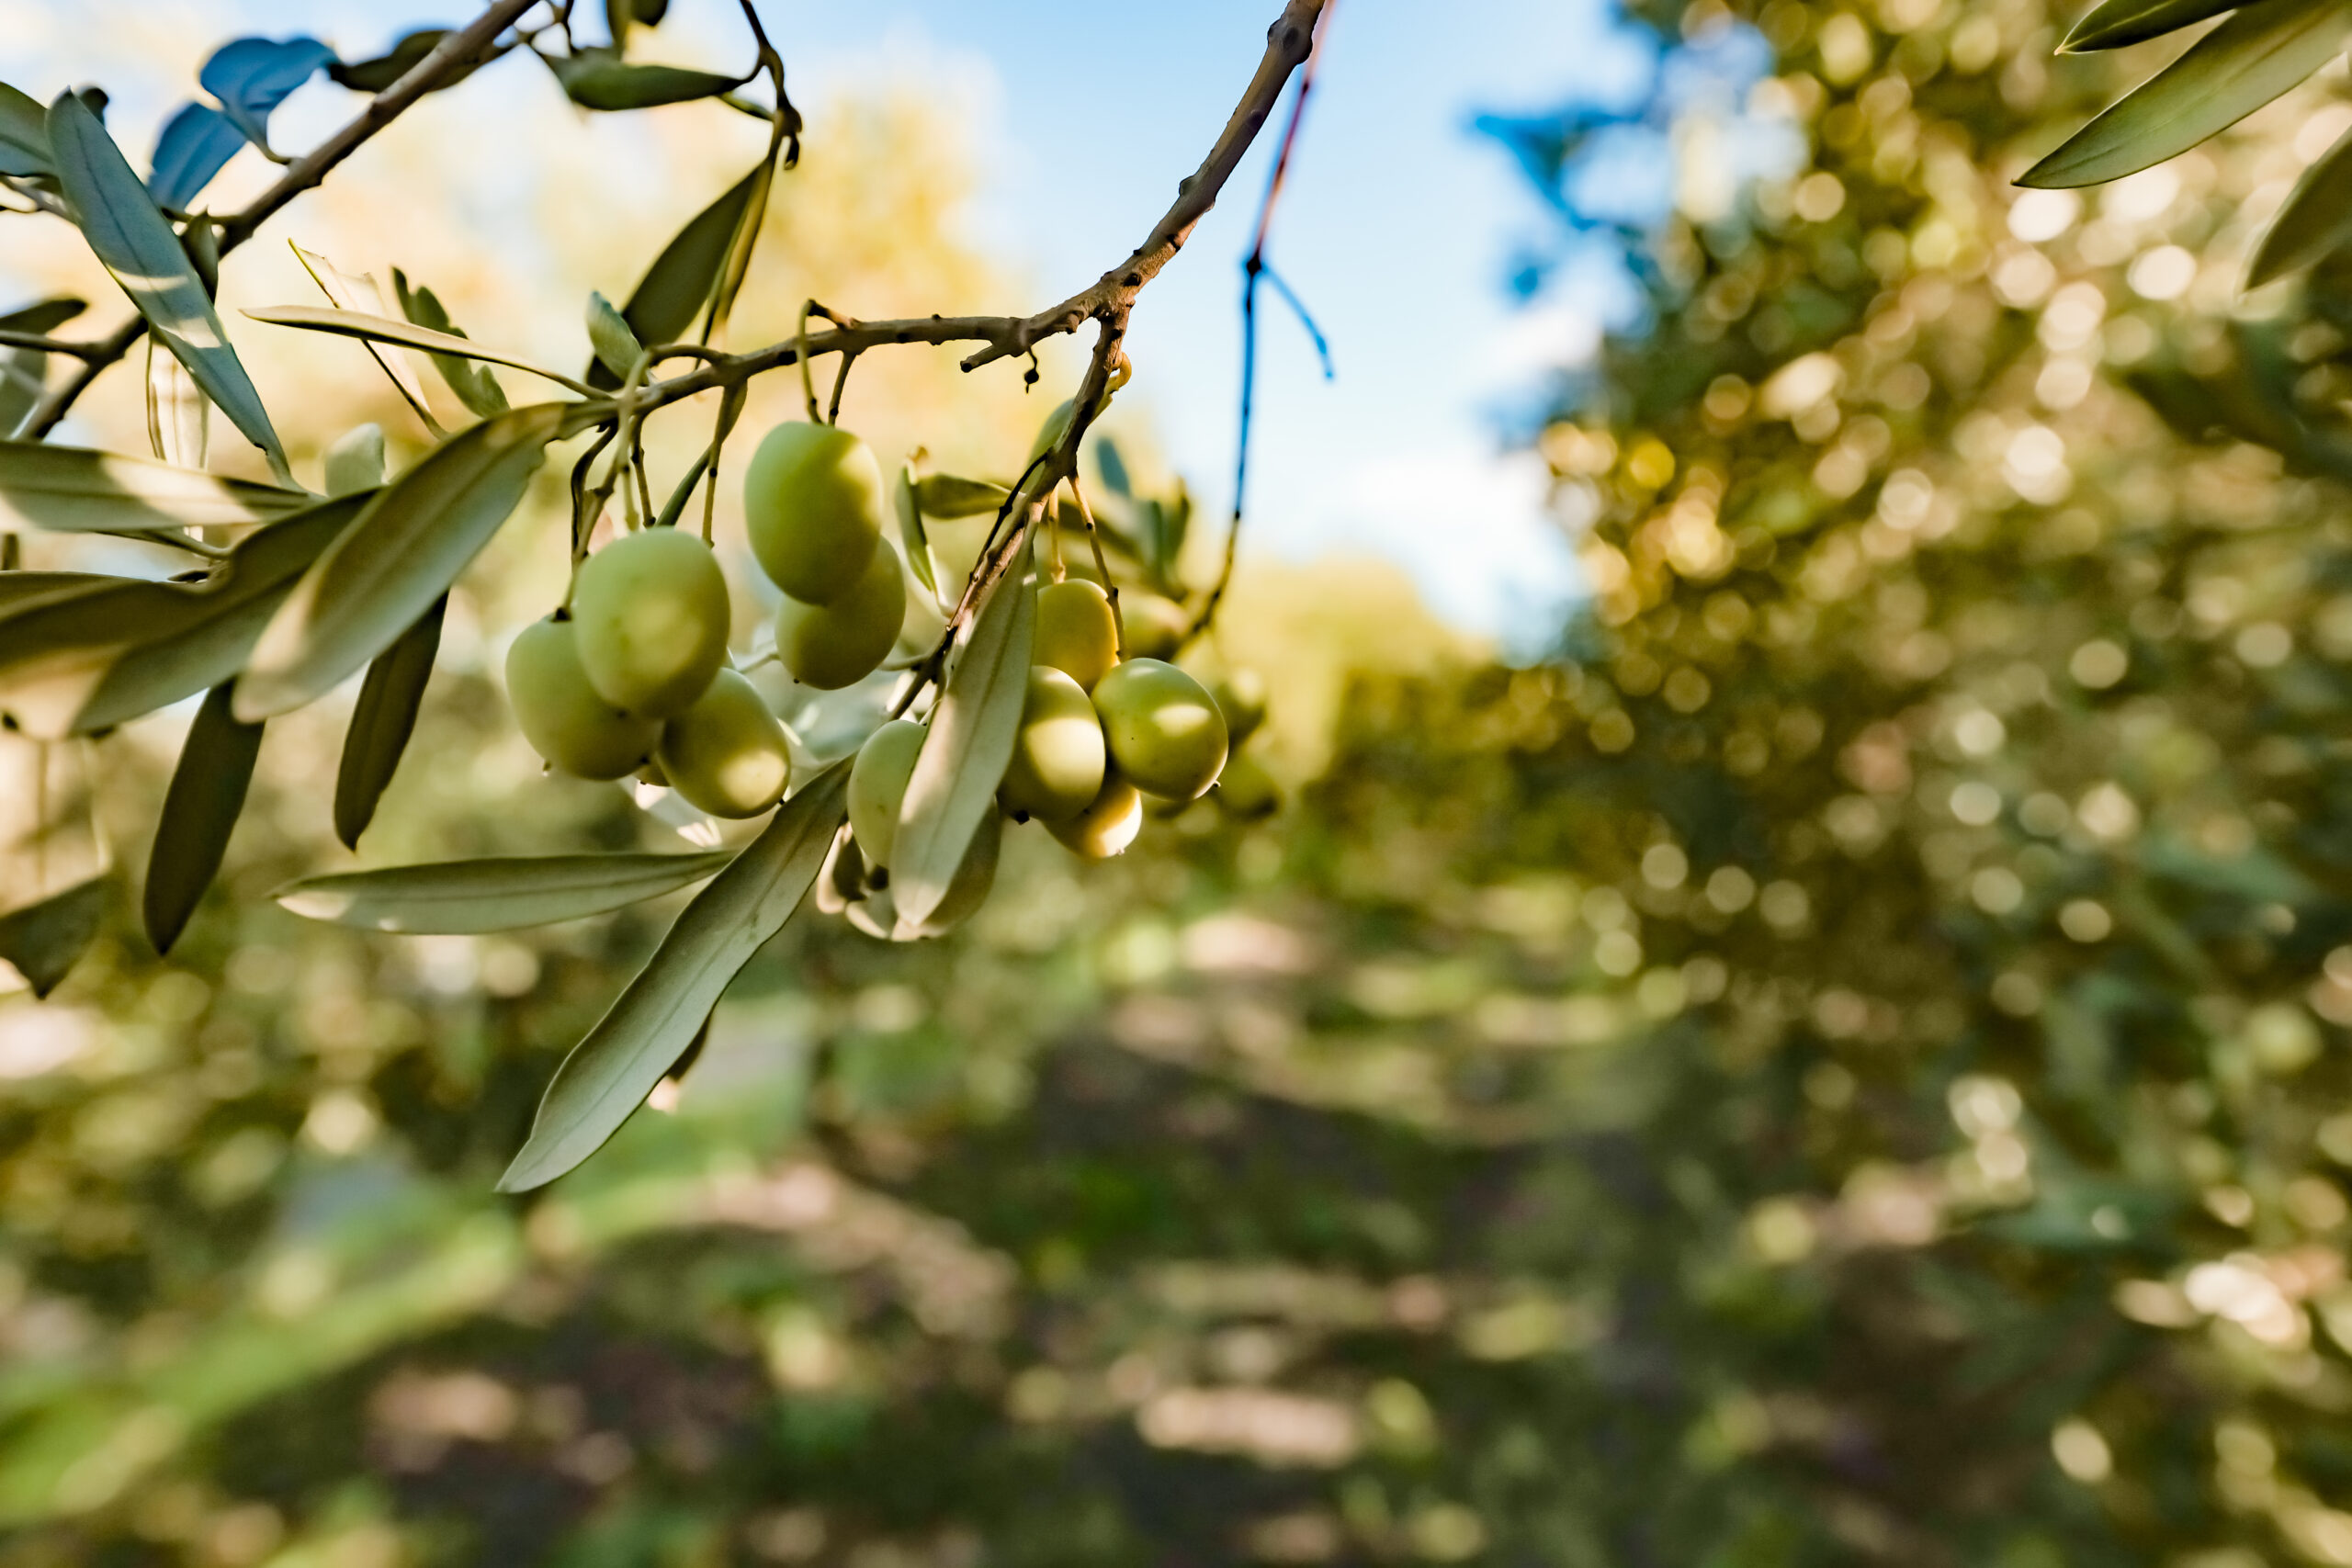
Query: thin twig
[
  {"x": 40, "y": 343},
  {"x": 1110, "y": 588},
  {"x": 1253, "y": 268}
]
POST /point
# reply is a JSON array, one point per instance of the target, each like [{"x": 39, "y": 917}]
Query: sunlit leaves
[
  {"x": 440, "y": 344},
  {"x": 465, "y": 898},
  {"x": 475, "y": 386},
  {"x": 2250, "y": 59},
  {"x": 75, "y": 489},
  {"x": 122, "y": 225},
  {"x": 972, "y": 735},
  {"x": 2315, "y": 223},
  {"x": 413, "y": 540},
  {"x": 609, "y": 1074},
  {"x": 200, "y": 810},
  {"x": 2114, "y": 24},
  {"x": 680, "y": 282}
]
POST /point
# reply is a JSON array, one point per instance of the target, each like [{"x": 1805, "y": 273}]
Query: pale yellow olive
[
  {"x": 1057, "y": 754},
  {"x": 813, "y": 509},
  {"x": 1241, "y": 697},
  {"x": 1156, "y": 627},
  {"x": 561, "y": 713},
  {"x": 877, "y": 786},
  {"x": 1075, "y": 632},
  {"x": 1108, "y": 826},
  {"x": 1166, "y": 732},
  {"x": 652, "y": 613},
  {"x": 1246, "y": 791},
  {"x": 840, "y": 644},
  {"x": 727, "y": 755}
]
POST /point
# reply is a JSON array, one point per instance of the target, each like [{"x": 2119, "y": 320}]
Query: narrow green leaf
[
  {"x": 911, "y": 529},
  {"x": 200, "y": 811},
  {"x": 74, "y": 489},
  {"x": 382, "y": 721},
  {"x": 2315, "y": 223},
  {"x": 46, "y": 316},
  {"x": 2114, "y": 24},
  {"x": 23, "y": 135},
  {"x": 2254, "y": 56},
  {"x": 601, "y": 79},
  {"x": 679, "y": 283},
  {"x": 406, "y": 548},
  {"x": 21, "y": 588},
  {"x": 944, "y": 496},
  {"x": 475, "y": 386},
  {"x": 129, "y": 233},
  {"x": 83, "y": 660},
  {"x": 360, "y": 292},
  {"x": 375, "y": 75},
  {"x": 610, "y": 337},
  {"x": 955, "y": 780},
  {"x": 617, "y": 18},
  {"x": 45, "y": 939},
  {"x": 656, "y": 1017},
  {"x": 469, "y": 897},
  {"x": 650, "y": 12},
  {"x": 407, "y": 334},
  {"x": 1112, "y": 465}
]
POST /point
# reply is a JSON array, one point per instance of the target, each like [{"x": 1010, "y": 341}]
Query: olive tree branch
[{"x": 451, "y": 55}]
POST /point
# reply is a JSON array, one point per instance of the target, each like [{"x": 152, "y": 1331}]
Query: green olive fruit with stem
[
  {"x": 1166, "y": 732},
  {"x": 813, "y": 505},
  {"x": 877, "y": 786},
  {"x": 840, "y": 644},
  {"x": 1241, "y": 697},
  {"x": 1058, "y": 752},
  {"x": 652, "y": 611},
  {"x": 1107, "y": 826},
  {"x": 727, "y": 753},
  {"x": 562, "y": 714},
  {"x": 1075, "y": 631},
  {"x": 1156, "y": 627}
]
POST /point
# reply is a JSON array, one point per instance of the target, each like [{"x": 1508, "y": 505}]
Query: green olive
[
  {"x": 1057, "y": 756},
  {"x": 877, "y": 786},
  {"x": 356, "y": 461},
  {"x": 652, "y": 613},
  {"x": 1246, "y": 791},
  {"x": 727, "y": 753},
  {"x": 840, "y": 644},
  {"x": 1108, "y": 826},
  {"x": 1076, "y": 633},
  {"x": 1241, "y": 697},
  {"x": 813, "y": 509},
  {"x": 1165, "y": 731},
  {"x": 1155, "y": 626},
  {"x": 561, "y": 713}
]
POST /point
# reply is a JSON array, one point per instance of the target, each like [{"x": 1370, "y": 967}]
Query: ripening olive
[
  {"x": 652, "y": 613},
  {"x": 1057, "y": 754},
  {"x": 1076, "y": 633},
  {"x": 1108, "y": 826},
  {"x": 1165, "y": 731},
  {"x": 840, "y": 644},
  {"x": 1155, "y": 626},
  {"x": 1241, "y": 697},
  {"x": 561, "y": 713},
  {"x": 812, "y": 507},
  {"x": 727, "y": 753},
  {"x": 1245, "y": 791},
  {"x": 877, "y": 786}
]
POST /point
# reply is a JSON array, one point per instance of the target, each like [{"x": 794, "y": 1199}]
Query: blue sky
[{"x": 1399, "y": 230}]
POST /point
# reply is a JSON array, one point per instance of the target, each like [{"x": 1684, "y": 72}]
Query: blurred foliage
[{"x": 1847, "y": 1064}]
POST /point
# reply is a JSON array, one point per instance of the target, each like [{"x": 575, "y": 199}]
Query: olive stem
[
  {"x": 807, "y": 381},
  {"x": 1110, "y": 588}
]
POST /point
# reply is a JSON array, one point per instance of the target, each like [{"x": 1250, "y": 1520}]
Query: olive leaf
[
  {"x": 361, "y": 292},
  {"x": 23, "y": 135},
  {"x": 610, "y": 338},
  {"x": 375, "y": 75},
  {"x": 910, "y": 530},
  {"x": 2114, "y": 24},
  {"x": 2316, "y": 222},
  {"x": 601, "y": 79},
  {"x": 381, "y": 722},
  {"x": 470, "y": 896},
  {"x": 46, "y": 938},
  {"x": 972, "y": 732},
  {"x": 200, "y": 811},
  {"x": 408, "y": 546},
  {"x": 1113, "y": 466},
  {"x": 946, "y": 496},
  {"x": 475, "y": 386},
  {"x": 128, "y": 232},
  {"x": 407, "y": 334},
  {"x": 195, "y": 144},
  {"x": 74, "y": 489},
  {"x": 252, "y": 76},
  {"x": 679, "y": 283},
  {"x": 656, "y": 1017},
  {"x": 21, "y": 588},
  {"x": 81, "y": 660},
  {"x": 2255, "y": 55},
  {"x": 179, "y": 420}
]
